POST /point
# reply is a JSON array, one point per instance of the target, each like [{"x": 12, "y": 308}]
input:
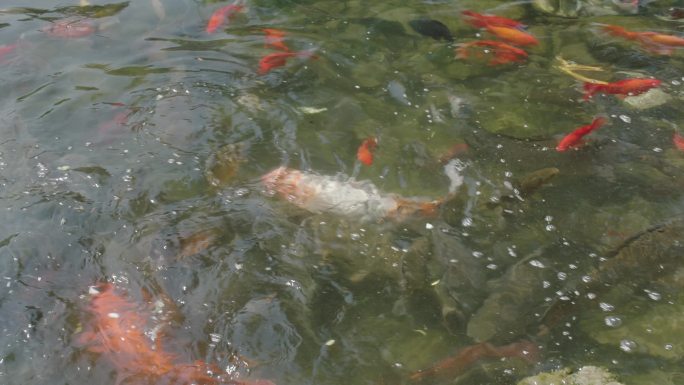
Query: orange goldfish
[
  {"x": 625, "y": 87},
  {"x": 6, "y": 49},
  {"x": 678, "y": 141},
  {"x": 117, "y": 331},
  {"x": 221, "y": 16},
  {"x": 365, "y": 152},
  {"x": 512, "y": 35},
  {"x": 479, "y": 20},
  {"x": 274, "y": 39},
  {"x": 573, "y": 138},
  {"x": 279, "y": 59},
  {"x": 503, "y": 53},
  {"x": 652, "y": 41}
]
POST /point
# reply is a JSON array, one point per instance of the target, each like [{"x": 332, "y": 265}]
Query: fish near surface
[
  {"x": 431, "y": 28},
  {"x": 512, "y": 35},
  {"x": 221, "y": 16},
  {"x": 479, "y": 20},
  {"x": 117, "y": 331},
  {"x": 274, "y": 39},
  {"x": 625, "y": 87},
  {"x": 279, "y": 59},
  {"x": 365, "y": 152},
  {"x": 503, "y": 53},
  {"x": 574, "y": 138},
  {"x": 342, "y": 196}
]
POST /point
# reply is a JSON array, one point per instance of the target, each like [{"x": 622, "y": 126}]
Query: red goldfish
[
  {"x": 221, "y": 16},
  {"x": 503, "y": 53},
  {"x": 365, "y": 152},
  {"x": 274, "y": 39},
  {"x": 625, "y": 87},
  {"x": 478, "y": 20},
  {"x": 573, "y": 138},
  {"x": 512, "y": 35},
  {"x": 279, "y": 59},
  {"x": 678, "y": 141},
  {"x": 652, "y": 41}
]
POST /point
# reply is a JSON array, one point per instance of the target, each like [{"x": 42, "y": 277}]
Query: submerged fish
[
  {"x": 659, "y": 43},
  {"x": 678, "y": 141},
  {"x": 117, "y": 329},
  {"x": 431, "y": 28},
  {"x": 6, "y": 49},
  {"x": 221, "y": 16},
  {"x": 365, "y": 152},
  {"x": 625, "y": 87},
  {"x": 479, "y": 20},
  {"x": 512, "y": 35},
  {"x": 573, "y": 138},
  {"x": 344, "y": 197},
  {"x": 503, "y": 53},
  {"x": 274, "y": 39},
  {"x": 279, "y": 59},
  {"x": 71, "y": 28}
]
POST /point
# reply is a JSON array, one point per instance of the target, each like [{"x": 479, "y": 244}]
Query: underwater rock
[
  {"x": 562, "y": 8},
  {"x": 222, "y": 166},
  {"x": 586, "y": 375},
  {"x": 431, "y": 28},
  {"x": 653, "y": 98}
]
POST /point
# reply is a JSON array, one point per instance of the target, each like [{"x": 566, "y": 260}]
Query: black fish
[{"x": 431, "y": 28}]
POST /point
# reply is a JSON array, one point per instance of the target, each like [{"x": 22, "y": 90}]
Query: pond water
[{"x": 133, "y": 142}]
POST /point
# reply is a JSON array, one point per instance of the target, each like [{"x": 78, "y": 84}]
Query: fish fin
[{"x": 590, "y": 89}]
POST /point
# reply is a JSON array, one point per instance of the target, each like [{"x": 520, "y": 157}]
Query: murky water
[{"x": 132, "y": 143}]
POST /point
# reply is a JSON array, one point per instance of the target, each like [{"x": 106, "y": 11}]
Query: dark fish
[{"x": 431, "y": 28}]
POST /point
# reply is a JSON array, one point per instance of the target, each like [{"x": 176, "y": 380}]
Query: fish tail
[
  {"x": 307, "y": 55},
  {"x": 596, "y": 123},
  {"x": 462, "y": 52},
  {"x": 590, "y": 89}
]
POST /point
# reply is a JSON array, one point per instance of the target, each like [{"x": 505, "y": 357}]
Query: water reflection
[{"x": 133, "y": 146}]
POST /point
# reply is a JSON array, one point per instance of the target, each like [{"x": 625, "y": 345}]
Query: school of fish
[{"x": 115, "y": 328}]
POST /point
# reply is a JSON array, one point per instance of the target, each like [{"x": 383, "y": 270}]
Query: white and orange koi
[{"x": 344, "y": 197}]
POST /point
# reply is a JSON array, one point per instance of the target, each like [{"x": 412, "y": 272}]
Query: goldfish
[
  {"x": 573, "y": 138},
  {"x": 274, "y": 39},
  {"x": 652, "y": 41},
  {"x": 221, "y": 16},
  {"x": 678, "y": 141},
  {"x": 279, "y": 59},
  {"x": 365, "y": 152},
  {"x": 345, "y": 197},
  {"x": 503, "y": 53},
  {"x": 478, "y": 20},
  {"x": 117, "y": 331},
  {"x": 6, "y": 49},
  {"x": 512, "y": 35},
  {"x": 625, "y": 87}
]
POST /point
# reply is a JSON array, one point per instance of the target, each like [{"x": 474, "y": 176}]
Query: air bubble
[
  {"x": 613, "y": 321},
  {"x": 628, "y": 346}
]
